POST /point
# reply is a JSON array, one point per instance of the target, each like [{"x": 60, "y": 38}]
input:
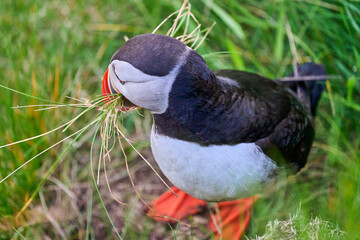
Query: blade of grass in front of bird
[
  {"x": 184, "y": 14},
  {"x": 49, "y": 106},
  {"x": 245, "y": 16},
  {"x": 81, "y": 114},
  {"x": 19, "y": 233},
  {"x": 47, "y": 149},
  {"x": 207, "y": 31},
  {"x": 184, "y": 17},
  {"x": 228, "y": 20},
  {"x": 344, "y": 140},
  {"x": 171, "y": 31},
  {"x": 108, "y": 183},
  {"x": 147, "y": 162},
  {"x": 44, "y": 134},
  {"x": 120, "y": 134},
  {"x": 306, "y": 48},
  {"x": 219, "y": 53},
  {"x": 280, "y": 33},
  {"x": 130, "y": 177},
  {"x": 89, "y": 213},
  {"x": 37, "y": 136},
  {"x": 65, "y": 125},
  {"x": 99, "y": 163},
  {"x": 235, "y": 55},
  {"x": 174, "y": 26},
  {"x": 166, "y": 19},
  {"x": 30, "y": 96},
  {"x": 78, "y": 134},
  {"x": 176, "y": 231},
  {"x": 129, "y": 215},
  {"x": 357, "y": 56},
  {"x": 350, "y": 16},
  {"x": 350, "y": 86},
  {"x": 106, "y": 131},
  {"x": 94, "y": 180}
]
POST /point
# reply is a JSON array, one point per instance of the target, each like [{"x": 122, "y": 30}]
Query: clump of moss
[{"x": 298, "y": 228}]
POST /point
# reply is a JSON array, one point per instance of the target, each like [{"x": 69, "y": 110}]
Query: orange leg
[
  {"x": 232, "y": 219},
  {"x": 175, "y": 207}
]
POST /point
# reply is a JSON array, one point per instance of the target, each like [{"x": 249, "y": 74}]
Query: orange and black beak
[{"x": 108, "y": 90}]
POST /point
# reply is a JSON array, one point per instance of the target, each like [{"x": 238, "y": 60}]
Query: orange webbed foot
[
  {"x": 231, "y": 218},
  {"x": 169, "y": 208}
]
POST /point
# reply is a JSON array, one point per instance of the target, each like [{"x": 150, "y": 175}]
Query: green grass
[{"x": 54, "y": 49}]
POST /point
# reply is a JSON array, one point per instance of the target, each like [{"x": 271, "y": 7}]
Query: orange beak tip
[{"x": 105, "y": 85}]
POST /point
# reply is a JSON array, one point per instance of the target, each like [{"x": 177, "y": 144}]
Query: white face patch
[
  {"x": 215, "y": 172},
  {"x": 146, "y": 91}
]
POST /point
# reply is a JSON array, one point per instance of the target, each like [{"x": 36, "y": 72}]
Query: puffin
[{"x": 218, "y": 136}]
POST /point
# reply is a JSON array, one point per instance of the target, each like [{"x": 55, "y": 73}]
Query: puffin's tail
[{"x": 309, "y": 90}]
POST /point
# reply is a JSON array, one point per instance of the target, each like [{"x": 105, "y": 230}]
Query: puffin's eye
[{"x": 122, "y": 82}]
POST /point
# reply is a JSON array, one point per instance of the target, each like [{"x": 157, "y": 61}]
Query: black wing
[{"x": 282, "y": 124}]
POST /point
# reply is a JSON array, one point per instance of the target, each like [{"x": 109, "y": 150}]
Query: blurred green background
[{"x": 54, "y": 49}]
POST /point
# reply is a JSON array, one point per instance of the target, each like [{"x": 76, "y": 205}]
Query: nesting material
[{"x": 192, "y": 36}]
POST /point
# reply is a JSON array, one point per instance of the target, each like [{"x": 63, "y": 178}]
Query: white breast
[{"x": 212, "y": 173}]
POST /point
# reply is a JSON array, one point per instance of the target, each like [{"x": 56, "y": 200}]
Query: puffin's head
[{"x": 145, "y": 68}]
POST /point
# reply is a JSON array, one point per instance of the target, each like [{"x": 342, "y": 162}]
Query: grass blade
[{"x": 228, "y": 20}]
